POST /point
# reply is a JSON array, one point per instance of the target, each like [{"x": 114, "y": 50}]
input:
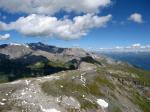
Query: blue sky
[{"x": 119, "y": 31}]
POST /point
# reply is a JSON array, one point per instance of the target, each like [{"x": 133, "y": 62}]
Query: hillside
[{"x": 51, "y": 79}]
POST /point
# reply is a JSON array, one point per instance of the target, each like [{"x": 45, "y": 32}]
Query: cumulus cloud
[
  {"x": 132, "y": 48},
  {"x": 5, "y": 36},
  {"x": 136, "y": 17},
  {"x": 53, "y": 6},
  {"x": 136, "y": 45},
  {"x": 40, "y": 22},
  {"x": 41, "y": 25}
]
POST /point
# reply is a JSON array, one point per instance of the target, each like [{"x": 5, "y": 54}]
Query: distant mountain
[
  {"x": 41, "y": 78},
  {"x": 138, "y": 59}
]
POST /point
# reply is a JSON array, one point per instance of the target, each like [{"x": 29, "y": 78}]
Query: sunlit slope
[{"x": 93, "y": 87}]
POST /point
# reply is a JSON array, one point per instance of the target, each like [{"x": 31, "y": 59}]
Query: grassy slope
[
  {"x": 93, "y": 88},
  {"x": 141, "y": 78},
  {"x": 95, "y": 84}
]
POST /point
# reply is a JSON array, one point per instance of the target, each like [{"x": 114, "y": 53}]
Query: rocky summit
[{"x": 40, "y": 78}]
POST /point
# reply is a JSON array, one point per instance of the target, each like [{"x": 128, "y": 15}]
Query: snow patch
[
  {"x": 17, "y": 44},
  {"x": 26, "y": 45},
  {"x": 2, "y": 103},
  {"x": 4, "y": 99},
  {"x": 83, "y": 96},
  {"x": 15, "y": 82},
  {"x": 102, "y": 103},
  {"x": 58, "y": 99},
  {"x": 61, "y": 86},
  {"x": 27, "y": 82},
  {"x": 23, "y": 92},
  {"x": 24, "y": 102},
  {"x": 52, "y": 77},
  {"x": 82, "y": 78},
  {"x": 48, "y": 110},
  {"x": 6, "y": 94}
]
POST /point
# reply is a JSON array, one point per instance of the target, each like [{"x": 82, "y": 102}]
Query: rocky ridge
[{"x": 96, "y": 84}]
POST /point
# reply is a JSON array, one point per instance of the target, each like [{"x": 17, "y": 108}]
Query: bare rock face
[
  {"x": 15, "y": 50},
  {"x": 75, "y": 52}
]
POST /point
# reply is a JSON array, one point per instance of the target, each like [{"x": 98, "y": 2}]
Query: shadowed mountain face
[
  {"x": 14, "y": 69},
  {"x": 52, "y": 79},
  {"x": 47, "y": 48}
]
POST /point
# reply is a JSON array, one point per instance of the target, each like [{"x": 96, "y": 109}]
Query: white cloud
[
  {"x": 40, "y": 25},
  {"x": 39, "y": 22},
  {"x": 136, "y": 17},
  {"x": 132, "y": 48},
  {"x": 119, "y": 47},
  {"x": 53, "y": 6},
  {"x": 5, "y": 36},
  {"x": 136, "y": 45}
]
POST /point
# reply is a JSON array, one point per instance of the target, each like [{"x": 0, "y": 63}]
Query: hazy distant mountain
[
  {"x": 135, "y": 54},
  {"x": 52, "y": 79},
  {"x": 138, "y": 59}
]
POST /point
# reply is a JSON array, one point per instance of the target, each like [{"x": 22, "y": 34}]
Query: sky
[{"x": 89, "y": 24}]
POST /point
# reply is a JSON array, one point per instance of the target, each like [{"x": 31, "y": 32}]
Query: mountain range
[
  {"x": 138, "y": 59},
  {"x": 37, "y": 77}
]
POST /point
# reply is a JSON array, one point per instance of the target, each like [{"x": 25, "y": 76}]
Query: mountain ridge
[{"x": 69, "y": 80}]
